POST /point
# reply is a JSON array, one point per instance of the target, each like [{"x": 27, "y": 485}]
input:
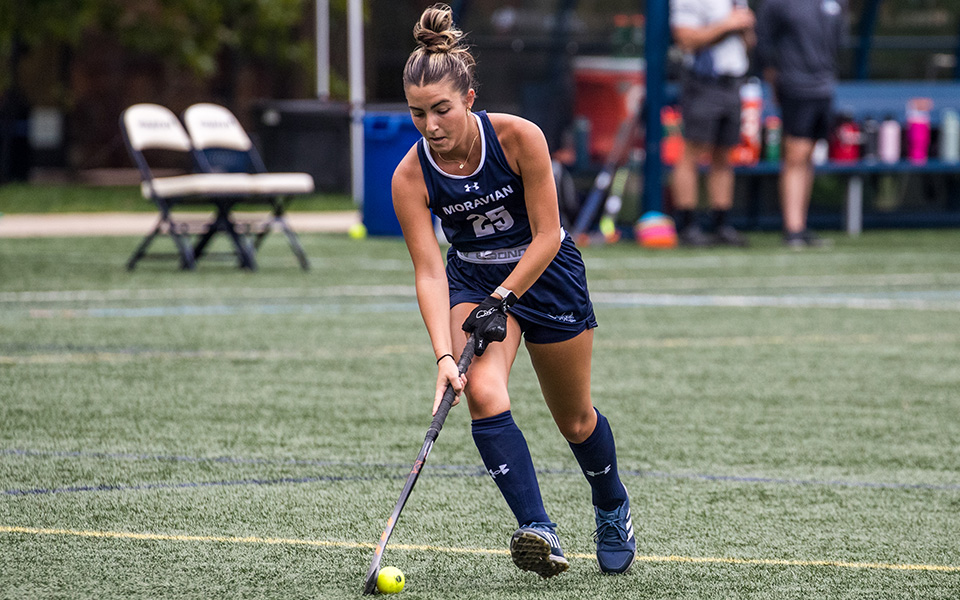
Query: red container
[
  {"x": 608, "y": 90},
  {"x": 845, "y": 142}
]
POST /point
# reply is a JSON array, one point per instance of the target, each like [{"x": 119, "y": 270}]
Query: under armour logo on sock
[
  {"x": 603, "y": 472},
  {"x": 503, "y": 470}
]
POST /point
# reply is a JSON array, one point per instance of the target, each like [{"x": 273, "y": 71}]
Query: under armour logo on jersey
[
  {"x": 471, "y": 186},
  {"x": 603, "y": 472},
  {"x": 503, "y": 470}
]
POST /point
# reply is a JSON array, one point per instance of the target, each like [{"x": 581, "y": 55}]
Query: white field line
[
  {"x": 631, "y": 300},
  {"x": 779, "y": 281},
  {"x": 133, "y": 354},
  {"x": 655, "y": 261},
  {"x": 626, "y": 285}
]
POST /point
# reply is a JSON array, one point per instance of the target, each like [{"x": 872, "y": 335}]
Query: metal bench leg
[
  {"x": 279, "y": 210},
  {"x": 188, "y": 261},
  {"x": 201, "y": 246},
  {"x": 244, "y": 250},
  {"x": 294, "y": 241},
  {"x": 855, "y": 205},
  {"x": 186, "y": 254},
  {"x": 142, "y": 247}
]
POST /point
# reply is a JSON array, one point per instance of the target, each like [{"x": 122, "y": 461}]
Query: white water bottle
[
  {"x": 949, "y": 150},
  {"x": 889, "y": 141}
]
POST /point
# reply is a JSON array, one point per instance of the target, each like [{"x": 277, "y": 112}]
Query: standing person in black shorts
[
  {"x": 798, "y": 42},
  {"x": 714, "y": 35},
  {"x": 511, "y": 273}
]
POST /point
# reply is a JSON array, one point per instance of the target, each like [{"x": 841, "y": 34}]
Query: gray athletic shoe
[
  {"x": 801, "y": 240},
  {"x": 536, "y": 547},
  {"x": 726, "y": 235},
  {"x": 692, "y": 236},
  {"x": 616, "y": 544}
]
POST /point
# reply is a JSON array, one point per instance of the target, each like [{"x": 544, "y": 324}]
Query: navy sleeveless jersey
[{"x": 483, "y": 210}]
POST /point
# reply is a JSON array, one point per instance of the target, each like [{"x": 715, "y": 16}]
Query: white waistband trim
[{"x": 500, "y": 256}]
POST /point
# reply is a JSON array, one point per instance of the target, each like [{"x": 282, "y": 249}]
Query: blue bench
[{"x": 876, "y": 99}]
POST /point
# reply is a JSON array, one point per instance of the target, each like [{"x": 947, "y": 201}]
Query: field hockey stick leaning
[
  {"x": 591, "y": 207},
  {"x": 370, "y": 586}
]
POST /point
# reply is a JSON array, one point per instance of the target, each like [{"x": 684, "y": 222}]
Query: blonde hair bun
[
  {"x": 435, "y": 31},
  {"x": 440, "y": 54}
]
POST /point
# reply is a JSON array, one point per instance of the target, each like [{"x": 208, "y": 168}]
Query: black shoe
[
  {"x": 726, "y": 235},
  {"x": 815, "y": 241},
  {"x": 794, "y": 240},
  {"x": 800, "y": 240},
  {"x": 694, "y": 237}
]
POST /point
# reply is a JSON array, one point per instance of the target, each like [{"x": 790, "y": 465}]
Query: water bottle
[
  {"x": 671, "y": 146},
  {"x": 871, "y": 141},
  {"x": 773, "y": 135},
  {"x": 581, "y": 142},
  {"x": 918, "y": 130},
  {"x": 888, "y": 143},
  {"x": 751, "y": 99},
  {"x": 949, "y": 150},
  {"x": 821, "y": 152},
  {"x": 620, "y": 39}
]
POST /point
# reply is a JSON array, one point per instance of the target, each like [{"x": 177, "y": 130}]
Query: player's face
[{"x": 441, "y": 114}]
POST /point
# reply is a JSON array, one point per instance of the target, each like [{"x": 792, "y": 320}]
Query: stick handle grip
[{"x": 446, "y": 402}]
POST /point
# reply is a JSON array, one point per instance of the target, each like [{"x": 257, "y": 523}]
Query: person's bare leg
[
  {"x": 685, "y": 184},
  {"x": 796, "y": 182},
  {"x": 563, "y": 369},
  {"x": 686, "y": 176},
  {"x": 720, "y": 180},
  {"x": 504, "y": 451}
]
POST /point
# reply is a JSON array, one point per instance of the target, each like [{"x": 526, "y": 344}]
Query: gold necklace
[{"x": 466, "y": 159}]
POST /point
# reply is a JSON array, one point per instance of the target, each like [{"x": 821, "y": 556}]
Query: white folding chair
[
  {"x": 151, "y": 127},
  {"x": 222, "y": 145}
]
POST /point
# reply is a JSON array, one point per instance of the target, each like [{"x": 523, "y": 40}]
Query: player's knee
[
  {"x": 486, "y": 396},
  {"x": 577, "y": 428}
]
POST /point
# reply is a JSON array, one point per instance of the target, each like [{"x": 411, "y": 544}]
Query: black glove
[{"x": 488, "y": 322}]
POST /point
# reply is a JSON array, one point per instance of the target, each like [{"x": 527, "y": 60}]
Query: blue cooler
[{"x": 387, "y": 136}]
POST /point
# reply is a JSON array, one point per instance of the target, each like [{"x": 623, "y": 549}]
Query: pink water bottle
[
  {"x": 918, "y": 129},
  {"x": 888, "y": 142}
]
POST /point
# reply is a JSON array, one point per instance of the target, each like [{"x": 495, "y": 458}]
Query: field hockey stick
[
  {"x": 601, "y": 184},
  {"x": 370, "y": 586}
]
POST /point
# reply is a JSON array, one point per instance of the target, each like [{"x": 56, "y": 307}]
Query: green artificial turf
[{"x": 786, "y": 425}]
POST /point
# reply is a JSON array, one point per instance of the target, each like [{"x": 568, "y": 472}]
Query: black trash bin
[
  {"x": 309, "y": 136},
  {"x": 15, "y": 155}
]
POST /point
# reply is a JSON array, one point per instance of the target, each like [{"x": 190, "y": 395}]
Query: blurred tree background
[{"x": 84, "y": 61}]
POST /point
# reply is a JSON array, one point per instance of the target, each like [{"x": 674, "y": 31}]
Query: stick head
[{"x": 370, "y": 587}]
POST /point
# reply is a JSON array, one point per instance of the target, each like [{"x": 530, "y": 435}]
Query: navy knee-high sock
[
  {"x": 597, "y": 456},
  {"x": 506, "y": 457}
]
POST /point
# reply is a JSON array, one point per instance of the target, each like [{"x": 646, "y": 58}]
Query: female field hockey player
[{"x": 512, "y": 272}]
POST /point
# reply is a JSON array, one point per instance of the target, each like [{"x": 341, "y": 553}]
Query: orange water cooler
[{"x": 608, "y": 90}]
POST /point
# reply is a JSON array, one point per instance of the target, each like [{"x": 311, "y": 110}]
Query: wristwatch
[{"x": 509, "y": 298}]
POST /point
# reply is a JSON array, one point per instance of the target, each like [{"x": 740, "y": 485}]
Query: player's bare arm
[{"x": 411, "y": 205}]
